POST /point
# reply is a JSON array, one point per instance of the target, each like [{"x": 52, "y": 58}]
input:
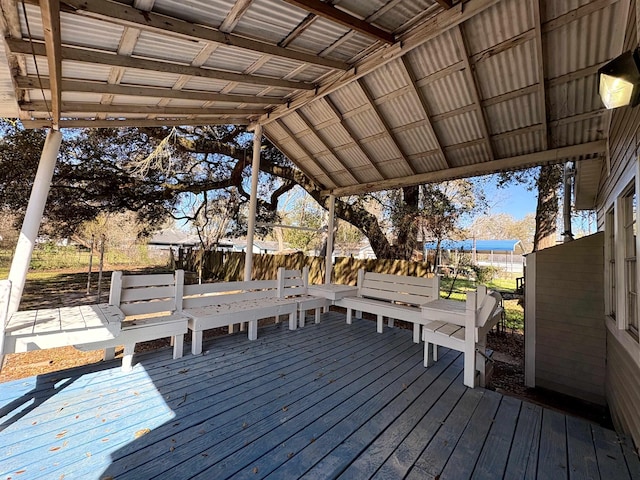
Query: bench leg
[
  {"x": 293, "y": 320},
  {"x": 196, "y": 342},
  {"x": 178, "y": 346},
  {"x": 349, "y": 316},
  {"x": 302, "y": 314},
  {"x": 109, "y": 353},
  {"x": 253, "y": 330},
  {"x": 127, "y": 357},
  {"x": 416, "y": 333},
  {"x": 317, "y": 315},
  {"x": 358, "y": 314},
  {"x": 390, "y": 322},
  {"x": 380, "y": 323},
  {"x": 470, "y": 369}
]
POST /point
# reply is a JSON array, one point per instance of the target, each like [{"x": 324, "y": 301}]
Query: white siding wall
[
  {"x": 623, "y": 352},
  {"x": 569, "y": 331}
]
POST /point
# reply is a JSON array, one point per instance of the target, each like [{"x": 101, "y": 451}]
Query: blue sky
[{"x": 514, "y": 200}]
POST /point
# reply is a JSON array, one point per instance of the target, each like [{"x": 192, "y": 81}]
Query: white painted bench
[
  {"x": 152, "y": 305},
  {"x": 295, "y": 284},
  {"x": 214, "y": 305},
  {"x": 463, "y": 326},
  {"x": 392, "y": 296}
]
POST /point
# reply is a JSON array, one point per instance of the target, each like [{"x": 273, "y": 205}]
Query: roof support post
[
  {"x": 253, "y": 201},
  {"x": 33, "y": 217},
  {"x": 330, "y": 227}
]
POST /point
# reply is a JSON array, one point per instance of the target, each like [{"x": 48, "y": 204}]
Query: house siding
[
  {"x": 622, "y": 367},
  {"x": 570, "y": 333}
]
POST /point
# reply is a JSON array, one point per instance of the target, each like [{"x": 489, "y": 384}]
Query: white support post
[
  {"x": 33, "y": 217},
  {"x": 253, "y": 202},
  {"x": 330, "y": 227}
]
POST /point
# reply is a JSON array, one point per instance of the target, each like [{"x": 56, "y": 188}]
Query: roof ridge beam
[
  {"x": 76, "y": 54},
  {"x": 81, "y": 107},
  {"x": 136, "y": 122}
]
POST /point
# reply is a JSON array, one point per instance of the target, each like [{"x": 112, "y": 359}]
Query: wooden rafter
[
  {"x": 305, "y": 150},
  {"x": 445, "y": 3},
  {"x": 473, "y": 87},
  {"x": 78, "y": 107},
  {"x": 138, "y": 122},
  {"x": 104, "y": 58},
  {"x": 540, "y": 70},
  {"x": 300, "y": 28},
  {"x": 32, "y": 82},
  {"x": 328, "y": 147},
  {"x": 556, "y": 155},
  {"x": 328, "y": 11},
  {"x": 412, "y": 81},
  {"x": 387, "y": 128},
  {"x": 429, "y": 29},
  {"x": 352, "y": 134},
  {"x": 50, "y": 10},
  {"x": 117, "y": 13},
  {"x": 235, "y": 14}
]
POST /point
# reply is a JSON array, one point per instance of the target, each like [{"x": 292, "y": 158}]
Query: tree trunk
[
  {"x": 549, "y": 180},
  {"x": 407, "y": 228}
]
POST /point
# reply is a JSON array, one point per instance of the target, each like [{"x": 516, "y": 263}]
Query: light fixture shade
[{"x": 619, "y": 81}]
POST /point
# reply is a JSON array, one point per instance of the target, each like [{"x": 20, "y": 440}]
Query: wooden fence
[{"x": 229, "y": 266}]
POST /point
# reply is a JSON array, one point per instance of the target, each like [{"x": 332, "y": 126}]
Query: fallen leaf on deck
[
  {"x": 88, "y": 454},
  {"x": 61, "y": 434},
  {"x": 53, "y": 449},
  {"x": 142, "y": 432},
  {"x": 20, "y": 471},
  {"x": 285, "y": 408},
  {"x": 185, "y": 370},
  {"x": 255, "y": 469}
]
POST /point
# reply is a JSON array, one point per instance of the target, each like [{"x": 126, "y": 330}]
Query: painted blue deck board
[{"x": 242, "y": 408}]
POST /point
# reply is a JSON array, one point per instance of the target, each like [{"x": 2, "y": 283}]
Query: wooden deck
[{"x": 326, "y": 401}]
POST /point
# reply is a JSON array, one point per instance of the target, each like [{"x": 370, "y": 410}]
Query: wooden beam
[
  {"x": 571, "y": 76},
  {"x": 78, "y": 107},
  {"x": 472, "y": 83},
  {"x": 307, "y": 153},
  {"x": 573, "y": 15},
  {"x": 235, "y": 14},
  {"x": 300, "y": 28},
  {"x": 50, "y": 11},
  {"x": 352, "y": 134},
  {"x": 385, "y": 124},
  {"x": 120, "y": 14},
  {"x": 328, "y": 11},
  {"x": 521, "y": 92},
  {"x": 445, "y": 3},
  {"x": 32, "y": 82},
  {"x": 540, "y": 70},
  {"x": 556, "y": 155},
  {"x": 328, "y": 147},
  {"x": 110, "y": 59},
  {"x": 412, "y": 81},
  {"x": 139, "y": 122}
]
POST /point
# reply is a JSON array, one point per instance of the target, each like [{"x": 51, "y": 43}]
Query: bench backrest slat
[
  {"x": 146, "y": 294},
  {"x": 398, "y": 288},
  {"x": 292, "y": 282},
  {"x": 209, "y": 294}
]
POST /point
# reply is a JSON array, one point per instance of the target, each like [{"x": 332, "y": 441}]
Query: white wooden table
[
  {"x": 445, "y": 310},
  {"x": 332, "y": 291},
  {"x": 59, "y": 327}
]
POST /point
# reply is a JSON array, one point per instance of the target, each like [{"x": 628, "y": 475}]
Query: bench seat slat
[{"x": 392, "y": 285}]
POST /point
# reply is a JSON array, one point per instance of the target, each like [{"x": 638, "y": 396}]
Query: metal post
[
  {"x": 102, "y": 239},
  {"x": 93, "y": 242},
  {"x": 253, "y": 202},
  {"x": 33, "y": 217},
  {"x": 329, "y": 254}
]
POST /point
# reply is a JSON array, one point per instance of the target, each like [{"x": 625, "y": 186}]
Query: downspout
[
  {"x": 33, "y": 218},
  {"x": 569, "y": 173}
]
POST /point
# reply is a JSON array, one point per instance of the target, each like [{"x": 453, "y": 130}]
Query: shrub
[{"x": 485, "y": 274}]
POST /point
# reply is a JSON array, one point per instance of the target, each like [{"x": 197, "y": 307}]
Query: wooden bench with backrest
[
  {"x": 152, "y": 306},
  {"x": 466, "y": 331},
  {"x": 294, "y": 284},
  {"x": 393, "y": 296},
  {"x": 214, "y": 305}
]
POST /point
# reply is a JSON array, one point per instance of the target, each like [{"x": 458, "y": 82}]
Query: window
[
  {"x": 629, "y": 226},
  {"x": 610, "y": 261}
]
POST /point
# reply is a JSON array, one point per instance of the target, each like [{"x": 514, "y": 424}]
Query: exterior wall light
[{"x": 619, "y": 80}]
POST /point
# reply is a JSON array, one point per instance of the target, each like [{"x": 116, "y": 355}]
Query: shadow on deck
[{"x": 326, "y": 401}]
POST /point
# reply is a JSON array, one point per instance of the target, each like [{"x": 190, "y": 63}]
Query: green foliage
[{"x": 485, "y": 274}]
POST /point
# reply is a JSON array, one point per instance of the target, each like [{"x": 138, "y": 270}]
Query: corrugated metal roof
[{"x": 463, "y": 89}]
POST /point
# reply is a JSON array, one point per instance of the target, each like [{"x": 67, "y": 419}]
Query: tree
[
  {"x": 154, "y": 171},
  {"x": 502, "y": 226}
]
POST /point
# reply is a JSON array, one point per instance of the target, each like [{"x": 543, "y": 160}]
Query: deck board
[{"x": 329, "y": 400}]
